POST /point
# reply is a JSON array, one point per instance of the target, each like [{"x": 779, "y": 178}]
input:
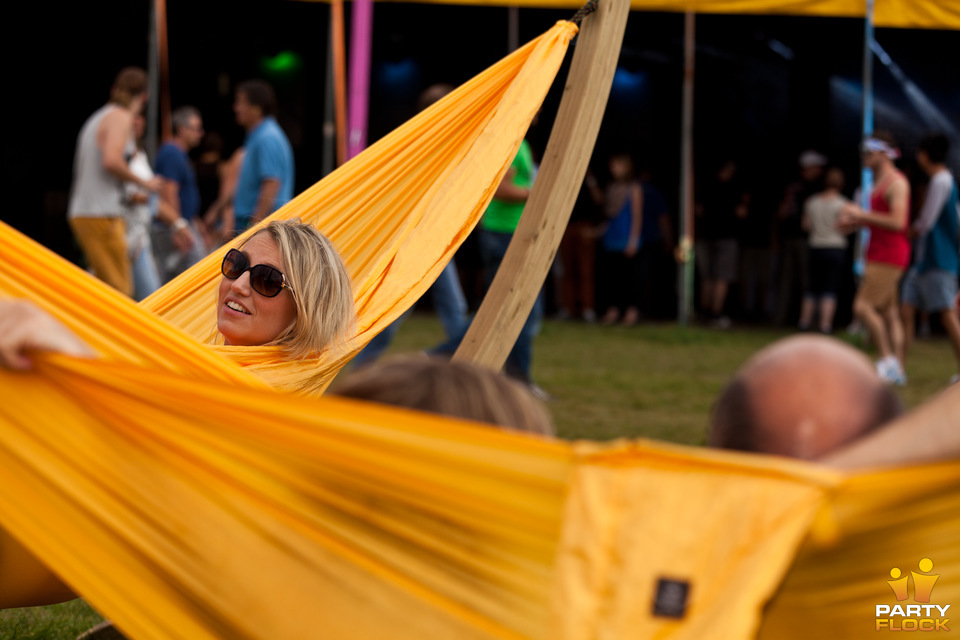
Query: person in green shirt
[{"x": 496, "y": 230}]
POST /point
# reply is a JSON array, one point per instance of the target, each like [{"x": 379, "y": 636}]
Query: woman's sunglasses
[{"x": 264, "y": 279}]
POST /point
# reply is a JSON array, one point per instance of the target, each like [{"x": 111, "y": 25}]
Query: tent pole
[
  {"x": 339, "y": 77},
  {"x": 534, "y": 245},
  {"x": 685, "y": 252},
  {"x": 163, "y": 59},
  {"x": 866, "y": 176},
  {"x": 513, "y": 29},
  {"x": 360, "y": 43},
  {"x": 153, "y": 95}
]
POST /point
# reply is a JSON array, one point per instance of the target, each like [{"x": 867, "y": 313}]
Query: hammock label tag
[{"x": 670, "y": 599}]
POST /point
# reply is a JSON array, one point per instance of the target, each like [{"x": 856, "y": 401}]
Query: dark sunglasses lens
[
  {"x": 234, "y": 264},
  {"x": 266, "y": 280}
]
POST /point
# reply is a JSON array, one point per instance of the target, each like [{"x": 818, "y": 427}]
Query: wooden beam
[
  {"x": 534, "y": 245},
  {"x": 339, "y": 78},
  {"x": 166, "y": 122}
]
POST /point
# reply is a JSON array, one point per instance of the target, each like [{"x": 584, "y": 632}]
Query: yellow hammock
[
  {"x": 184, "y": 499},
  {"x": 182, "y": 508},
  {"x": 397, "y": 212}
]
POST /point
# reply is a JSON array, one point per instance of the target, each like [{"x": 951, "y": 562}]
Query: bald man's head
[{"x": 802, "y": 397}]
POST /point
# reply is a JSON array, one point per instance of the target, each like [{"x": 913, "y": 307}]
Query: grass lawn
[
  {"x": 651, "y": 381},
  {"x": 59, "y": 622},
  {"x": 656, "y": 380}
]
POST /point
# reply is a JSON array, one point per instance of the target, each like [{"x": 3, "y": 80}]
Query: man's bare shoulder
[{"x": 116, "y": 118}]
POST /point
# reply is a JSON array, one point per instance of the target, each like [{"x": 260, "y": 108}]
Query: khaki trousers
[{"x": 104, "y": 244}]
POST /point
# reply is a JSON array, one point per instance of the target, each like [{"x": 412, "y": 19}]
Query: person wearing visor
[
  {"x": 286, "y": 286},
  {"x": 888, "y": 254}
]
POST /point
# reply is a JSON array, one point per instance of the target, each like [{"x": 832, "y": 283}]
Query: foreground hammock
[
  {"x": 190, "y": 509},
  {"x": 185, "y": 499}
]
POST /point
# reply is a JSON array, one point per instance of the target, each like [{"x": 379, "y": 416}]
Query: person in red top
[{"x": 888, "y": 254}]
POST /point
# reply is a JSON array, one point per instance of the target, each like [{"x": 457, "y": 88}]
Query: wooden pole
[
  {"x": 534, "y": 245},
  {"x": 339, "y": 78},
  {"x": 513, "y": 29},
  {"x": 152, "y": 114},
  {"x": 166, "y": 124}
]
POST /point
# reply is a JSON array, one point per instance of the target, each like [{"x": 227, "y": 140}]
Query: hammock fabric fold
[
  {"x": 183, "y": 508},
  {"x": 185, "y": 498},
  {"x": 398, "y": 211}
]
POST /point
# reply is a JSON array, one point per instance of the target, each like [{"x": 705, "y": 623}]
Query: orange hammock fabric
[
  {"x": 183, "y": 508},
  {"x": 398, "y": 211},
  {"x": 185, "y": 498}
]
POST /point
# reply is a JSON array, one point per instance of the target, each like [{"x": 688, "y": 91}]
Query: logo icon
[
  {"x": 922, "y": 582},
  {"x": 921, "y": 616}
]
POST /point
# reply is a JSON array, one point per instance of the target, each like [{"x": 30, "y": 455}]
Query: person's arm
[
  {"x": 928, "y": 433},
  {"x": 24, "y": 327},
  {"x": 636, "y": 220},
  {"x": 168, "y": 212},
  {"x": 269, "y": 188},
  {"x": 937, "y": 194},
  {"x": 509, "y": 192},
  {"x": 112, "y": 136},
  {"x": 216, "y": 216},
  {"x": 170, "y": 193},
  {"x": 853, "y": 217}
]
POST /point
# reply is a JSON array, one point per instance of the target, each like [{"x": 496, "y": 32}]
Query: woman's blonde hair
[
  {"x": 457, "y": 389},
  {"x": 320, "y": 286}
]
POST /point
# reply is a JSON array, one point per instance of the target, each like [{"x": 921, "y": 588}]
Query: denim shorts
[{"x": 930, "y": 291}]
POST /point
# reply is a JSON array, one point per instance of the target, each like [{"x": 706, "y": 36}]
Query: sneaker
[
  {"x": 589, "y": 316},
  {"x": 899, "y": 377},
  {"x": 891, "y": 371}
]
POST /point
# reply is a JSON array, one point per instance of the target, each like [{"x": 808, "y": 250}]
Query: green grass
[
  {"x": 58, "y": 622},
  {"x": 655, "y": 380},
  {"x": 651, "y": 381}
]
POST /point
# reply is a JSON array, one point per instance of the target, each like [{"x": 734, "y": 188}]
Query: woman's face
[{"x": 245, "y": 317}]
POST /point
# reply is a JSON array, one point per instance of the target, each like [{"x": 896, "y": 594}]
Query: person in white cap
[{"x": 876, "y": 303}]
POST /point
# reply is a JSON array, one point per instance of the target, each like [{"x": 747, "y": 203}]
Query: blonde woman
[{"x": 286, "y": 286}]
